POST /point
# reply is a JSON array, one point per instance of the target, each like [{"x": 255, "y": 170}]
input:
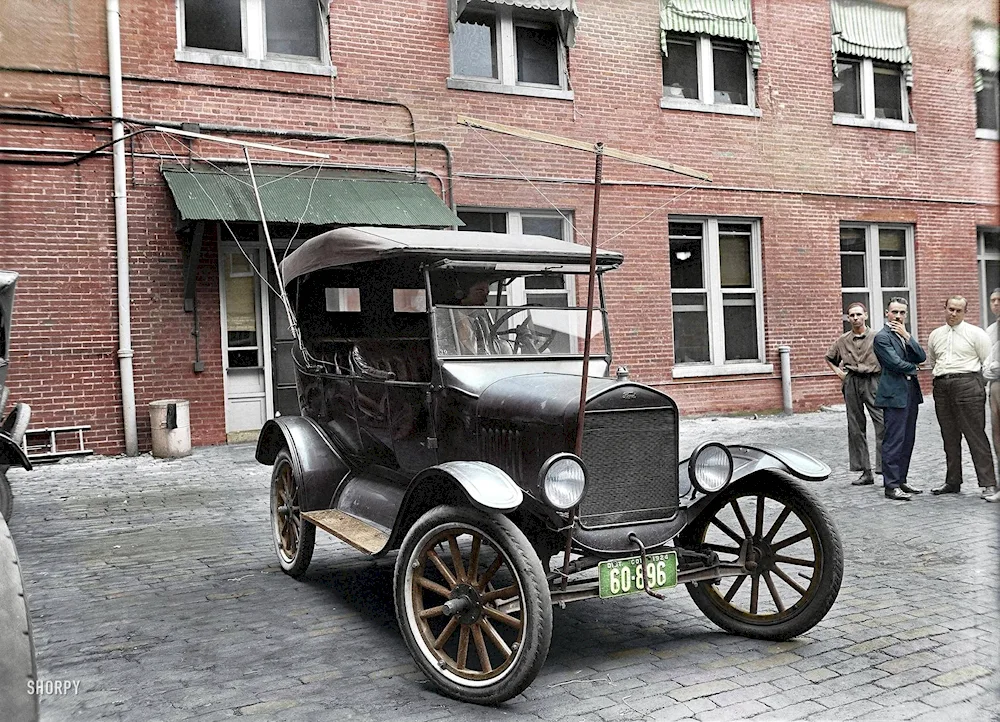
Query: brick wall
[{"x": 791, "y": 168}]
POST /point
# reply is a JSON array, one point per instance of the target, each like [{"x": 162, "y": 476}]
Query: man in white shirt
[
  {"x": 957, "y": 352},
  {"x": 991, "y": 371}
]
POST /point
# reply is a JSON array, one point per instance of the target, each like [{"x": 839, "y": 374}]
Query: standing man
[
  {"x": 991, "y": 371},
  {"x": 852, "y": 358},
  {"x": 899, "y": 396},
  {"x": 957, "y": 352}
]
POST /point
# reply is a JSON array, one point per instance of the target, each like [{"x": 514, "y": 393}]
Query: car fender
[
  {"x": 11, "y": 453},
  {"x": 487, "y": 487},
  {"x": 317, "y": 465},
  {"x": 751, "y": 459}
]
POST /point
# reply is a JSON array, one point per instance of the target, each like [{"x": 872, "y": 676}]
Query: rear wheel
[
  {"x": 793, "y": 552},
  {"x": 294, "y": 537},
  {"x": 17, "y": 663},
  {"x": 473, "y": 604}
]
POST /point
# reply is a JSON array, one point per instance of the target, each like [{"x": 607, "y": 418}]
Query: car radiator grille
[{"x": 631, "y": 459}]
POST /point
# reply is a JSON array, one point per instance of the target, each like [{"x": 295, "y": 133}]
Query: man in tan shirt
[
  {"x": 957, "y": 352},
  {"x": 852, "y": 358}
]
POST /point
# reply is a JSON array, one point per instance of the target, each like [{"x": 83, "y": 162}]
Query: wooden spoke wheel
[
  {"x": 473, "y": 604},
  {"x": 294, "y": 537},
  {"x": 793, "y": 553}
]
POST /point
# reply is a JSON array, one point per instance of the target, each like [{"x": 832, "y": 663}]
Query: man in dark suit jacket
[{"x": 898, "y": 395}]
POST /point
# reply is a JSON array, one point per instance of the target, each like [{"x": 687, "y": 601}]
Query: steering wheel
[{"x": 523, "y": 338}]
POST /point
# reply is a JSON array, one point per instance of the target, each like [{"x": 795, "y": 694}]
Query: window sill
[
  {"x": 207, "y": 57},
  {"x": 688, "y": 371},
  {"x": 987, "y": 134},
  {"x": 698, "y": 106},
  {"x": 486, "y": 86},
  {"x": 881, "y": 123}
]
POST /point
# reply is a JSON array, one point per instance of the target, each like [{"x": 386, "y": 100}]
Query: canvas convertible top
[{"x": 345, "y": 246}]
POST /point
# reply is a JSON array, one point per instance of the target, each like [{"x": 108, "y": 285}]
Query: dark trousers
[
  {"x": 859, "y": 394},
  {"x": 897, "y": 444},
  {"x": 960, "y": 403}
]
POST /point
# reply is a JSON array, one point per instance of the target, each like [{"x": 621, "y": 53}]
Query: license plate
[{"x": 619, "y": 577}]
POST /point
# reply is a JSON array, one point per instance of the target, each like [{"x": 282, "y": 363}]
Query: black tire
[
  {"x": 792, "y": 531},
  {"x": 17, "y": 421},
  {"x": 17, "y": 663},
  {"x": 6, "y": 497},
  {"x": 294, "y": 537},
  {"x": 506, "y": 629}
]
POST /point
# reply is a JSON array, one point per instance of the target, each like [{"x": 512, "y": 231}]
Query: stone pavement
[{"x": 153, "y": 584}]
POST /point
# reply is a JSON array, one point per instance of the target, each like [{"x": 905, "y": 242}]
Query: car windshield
[{"x": 516, "y": 331}]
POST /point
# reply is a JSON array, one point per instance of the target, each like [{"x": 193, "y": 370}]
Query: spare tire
[{"x": 17, "y": 662}]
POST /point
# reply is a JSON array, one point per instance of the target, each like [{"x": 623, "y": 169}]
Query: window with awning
[
  {"x": 871, "y": 30},
  {"x": 710, "y": 49},
  {"x": 512, "y": 46}
]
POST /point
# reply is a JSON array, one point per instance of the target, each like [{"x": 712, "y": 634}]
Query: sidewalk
[{"x": 154, "y": 585}]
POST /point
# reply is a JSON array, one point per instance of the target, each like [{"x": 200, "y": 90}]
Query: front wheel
[
  {"x": 794, "y": 558},
  {"x": 473, "y": 604},
  {"x": 294, "y": 537}
]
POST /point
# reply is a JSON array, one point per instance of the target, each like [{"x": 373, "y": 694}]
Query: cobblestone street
[{"x": 154, "y": 584}]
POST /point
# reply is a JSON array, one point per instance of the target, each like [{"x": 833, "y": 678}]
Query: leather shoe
[
  {"x": 910, "y": 490},
  {"x": 896, "y": 494},
  {"x": 946, "y": 490},
  {"x": 863, "y": 480},
  {"x": 987, "y": 491}
]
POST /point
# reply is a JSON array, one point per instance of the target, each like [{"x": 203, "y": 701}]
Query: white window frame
[
  {"x": 507, "y": 20},
  {"x": 867, "y": 119},
  {"x": 717, "y": 365},
  {"x": 516, "y": 293},
  {"x": 983, "y": 256},
  {"x": 255, "y": 55},
  {"x": 873, "y": 272},
  {"x": 705, "y": 102}
]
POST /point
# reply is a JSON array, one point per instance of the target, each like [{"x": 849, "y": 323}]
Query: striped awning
[
  {"x": 214, "y": 195},
  {"x": 566, "y": 13},
  {"x": 870, "y": 30},
  {"x": 718, "y": 18},
  {"x": 985, "y": 41}
]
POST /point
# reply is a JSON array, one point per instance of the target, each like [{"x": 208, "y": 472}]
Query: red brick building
[{"x": 871, "y": 176}]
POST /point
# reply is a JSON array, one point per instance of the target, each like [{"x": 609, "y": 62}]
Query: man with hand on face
[
  {"x": 898, "y": 395},
  {"x": 852, "y": 358},
  {"x": 957, "y": 352},
  {"x": 991, "y": 371}
]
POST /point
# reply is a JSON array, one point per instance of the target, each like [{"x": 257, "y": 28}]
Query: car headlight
[
  {"x": 563, "y": 480},
  {"x": 710, "y": 467}
]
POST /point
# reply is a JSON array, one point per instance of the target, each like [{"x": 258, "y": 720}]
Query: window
[
  {"x": 871, "y": 65},
  {"x": 876, "y": 263},
  {"x": 715, "y": 281},
  {"x": 988, "y": 104},
  {"x": 242, "y": 312},
  {"x": 288, "y": 35},
  {"x": 989, "y": 268},
  {"x": 987, "y": 59},
  {"x": 701, "y": 71},
  {"x": 517, "y": 50},
  {"x": 869, "y": 90}
]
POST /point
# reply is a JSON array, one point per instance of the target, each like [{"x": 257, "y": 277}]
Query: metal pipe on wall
[
  {"x": 121, "y": 230},
  {"x": 784, "y": 354}
]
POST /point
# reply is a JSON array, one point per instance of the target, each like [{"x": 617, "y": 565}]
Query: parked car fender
[
  {"x": 318, "y": 466},
  {"x": 749, "y": 460},
  {"x": 486, "y": 486},
  {"x": 11, "y": 453}
]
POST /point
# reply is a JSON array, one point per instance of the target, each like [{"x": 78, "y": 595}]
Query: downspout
[{"x": 121, "y": 230}]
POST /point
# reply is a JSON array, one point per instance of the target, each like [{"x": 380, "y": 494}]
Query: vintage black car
[
  {"x": 439, "y": 381},
  {"x": 16, "y": 422}
]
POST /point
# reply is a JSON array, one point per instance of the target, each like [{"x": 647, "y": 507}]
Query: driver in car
[{"x": 472, "y": 326}]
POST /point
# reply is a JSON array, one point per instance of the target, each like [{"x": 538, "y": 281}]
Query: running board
[{"x": 359, "y": 534}]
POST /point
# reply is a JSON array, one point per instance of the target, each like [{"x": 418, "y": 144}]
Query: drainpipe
[
  {"x": 121, "y": 230},
  {"x": 784, "y": 354}
]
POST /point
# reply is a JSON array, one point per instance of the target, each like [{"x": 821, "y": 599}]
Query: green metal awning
[
  {"x": 717, "y": 18},
  {"x": 566, "y": 13},
  {"x": 214, "y": 195},
  {"x": 870, "y": 30}
]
